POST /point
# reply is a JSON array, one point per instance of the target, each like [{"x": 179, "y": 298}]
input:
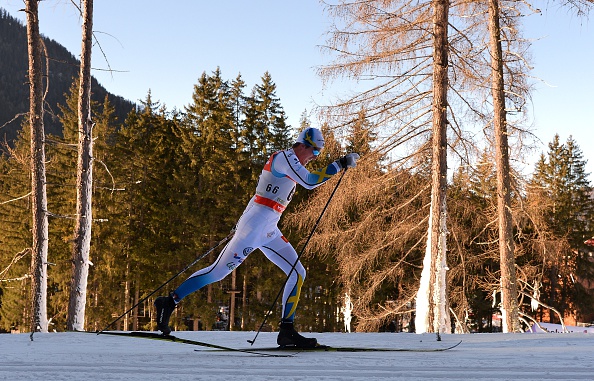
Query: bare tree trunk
[
  {"x": 432, "y": 303},
  {"x": 126, "y": 320},
  {"x": 423, "y": 318},
  {"x": 233, "y": 293},
  {"x": 441, "y": 317},
  {"x": 509, "y": 290},
  {"x": 135, "y": 311},
  {"x": 84, "y": 180},
  {"x": 244, "y": 313},
  {"x": 38, "y": 180}
]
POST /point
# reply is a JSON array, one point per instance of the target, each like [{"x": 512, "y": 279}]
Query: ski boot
[
  {"x": 288, "y": 337},
  {"x": 165, "y": 306}
]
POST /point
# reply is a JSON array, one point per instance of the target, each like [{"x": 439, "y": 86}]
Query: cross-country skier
[{"x": 257, "y": 229}]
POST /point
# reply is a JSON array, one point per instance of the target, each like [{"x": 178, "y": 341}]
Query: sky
[
  {"x": 563, "y": 61},
  {"x": 165, "y": 47},
  {"x": 486, "y": 357}
]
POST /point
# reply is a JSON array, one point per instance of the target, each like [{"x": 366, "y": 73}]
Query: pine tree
[
  {"x": 147, "y": 210},
  {"x": 210, "y": 119},
  {"x": 61, "y": 187},
  {"x": 561, "y": 209},
  {"x": 474, "y": 259},
  {"x": 212, "y": 141},
  {"x": 273, "y": 116},
  {"x": 15, "y": 240},
  {"x": 62, "y": 197},
  {"x": 265, "y": 124}
]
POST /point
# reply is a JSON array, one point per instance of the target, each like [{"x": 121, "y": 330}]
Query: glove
[{"x": 348, "y": 161}]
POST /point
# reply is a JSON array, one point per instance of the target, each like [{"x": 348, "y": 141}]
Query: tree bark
[
  {"x": 38, "y": 178},
  {"x": 509, "y": 291},
  {"x": 441, "y": 317},
  {"x": 84, "y": 180},
  {"x": 434, "y": 292}
]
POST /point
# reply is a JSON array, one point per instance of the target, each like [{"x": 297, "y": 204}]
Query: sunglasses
[{"x": 314, "y": 150}]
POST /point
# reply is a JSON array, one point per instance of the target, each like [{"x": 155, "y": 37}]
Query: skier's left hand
[{"x": 349, "y": 160}]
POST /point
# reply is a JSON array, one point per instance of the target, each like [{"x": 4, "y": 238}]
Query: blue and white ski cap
[{"x": 312, "y": 137}]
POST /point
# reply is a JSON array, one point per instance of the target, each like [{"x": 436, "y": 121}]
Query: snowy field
[{"x": 84, "y": 356}]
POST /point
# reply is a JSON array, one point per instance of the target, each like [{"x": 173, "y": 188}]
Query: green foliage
[
  {"x": 561, "y": 206},
  {"x": 15, "y": 240},
  {"x": 473, "y": 251},
  {"x": 265, "y": 130}
]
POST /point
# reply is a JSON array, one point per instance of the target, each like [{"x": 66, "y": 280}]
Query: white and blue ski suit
[{"x": 257, "y": 228}]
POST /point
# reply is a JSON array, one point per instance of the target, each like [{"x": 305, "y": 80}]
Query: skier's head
[
  {"x": 308, "y": 145},
  {"x": 312, "y": 137}
]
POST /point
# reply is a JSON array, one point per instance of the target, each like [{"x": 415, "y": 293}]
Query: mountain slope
[{"x": 14, "y": 88}]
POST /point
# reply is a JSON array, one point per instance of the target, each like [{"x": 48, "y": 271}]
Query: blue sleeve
[{"x": 288, "y": 163}]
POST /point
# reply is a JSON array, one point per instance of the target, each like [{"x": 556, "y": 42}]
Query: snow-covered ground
[{"x": 85, "y": 356}]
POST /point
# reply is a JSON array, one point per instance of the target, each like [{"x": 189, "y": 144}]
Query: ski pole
[
  {"x": 170, "y": 279},
  {"x": 297, "y": 261}
]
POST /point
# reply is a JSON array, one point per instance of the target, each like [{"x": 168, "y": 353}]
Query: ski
[
  {"x": 158, "y": 336},
  {"x": 327, "y": 348}
]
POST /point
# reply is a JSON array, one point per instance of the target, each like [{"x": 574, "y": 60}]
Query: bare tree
[
  {"x": 84, "y": 180},
  {"x": 509, "y": 289},
  {"x": 416, "y": 76},
  {"x": 390, "y": 44},
  {"x": 432, "y": 303},
  {"x": 38, "y": 175},
  {"x": 402, "y": 46}
]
